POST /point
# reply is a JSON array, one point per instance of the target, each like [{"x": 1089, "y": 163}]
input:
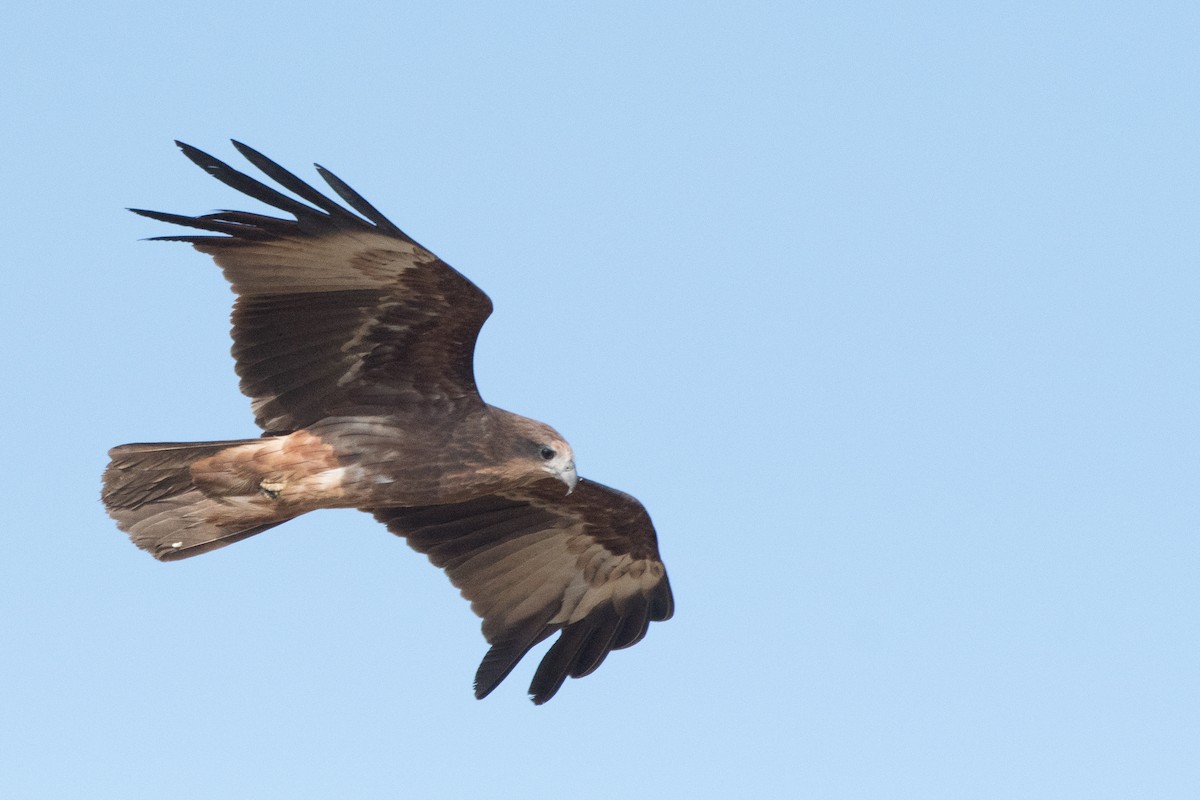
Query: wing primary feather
[
  {"x": 275, "y": 225},
  {"x": 504, "y": 655},
  {"x": 598, "y": 645},
  {"x": 291, "y": 182},
  {"x": 635, "y": 620},
  {"x": 662, "y": 602},
  {"x": 556, "y": 664},
  {"x": 359, "y": 204},
  {"x": 244, "y": 183},
  {"x": 211, "y": 222},
  {"x": 193, "y": 239}
]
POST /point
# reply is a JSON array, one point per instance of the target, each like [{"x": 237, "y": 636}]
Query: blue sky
[{"x": 887, "y": 312}]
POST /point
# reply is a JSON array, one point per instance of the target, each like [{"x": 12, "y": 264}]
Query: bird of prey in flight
[{"x": 355, "y": 345}]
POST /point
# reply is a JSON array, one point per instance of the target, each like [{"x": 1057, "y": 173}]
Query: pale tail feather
[{"x": 148, "y": 490}]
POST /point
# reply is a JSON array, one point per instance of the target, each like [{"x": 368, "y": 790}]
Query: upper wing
[
  {"x": 336, "y": 312},
  {"x": 537, "y": 561}
]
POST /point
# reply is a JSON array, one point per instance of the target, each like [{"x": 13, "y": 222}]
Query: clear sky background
[{"x": 886, "y": 311}]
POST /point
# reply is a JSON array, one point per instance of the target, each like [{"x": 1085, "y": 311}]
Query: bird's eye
[{"x": 548, "y": 453}]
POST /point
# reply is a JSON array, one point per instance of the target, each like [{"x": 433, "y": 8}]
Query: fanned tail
[{"x": 149, "y": 490}]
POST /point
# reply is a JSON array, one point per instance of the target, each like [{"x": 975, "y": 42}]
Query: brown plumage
[{"x": 356, "y": 346}]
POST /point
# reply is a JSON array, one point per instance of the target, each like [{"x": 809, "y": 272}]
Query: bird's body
[{"x": 355, "y": 345}]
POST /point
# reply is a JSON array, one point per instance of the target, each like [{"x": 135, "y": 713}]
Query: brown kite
[{"x": 355, "y": 345}]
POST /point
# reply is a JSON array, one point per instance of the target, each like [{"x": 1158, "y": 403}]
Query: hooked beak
[{"x": 569, "y": 477}]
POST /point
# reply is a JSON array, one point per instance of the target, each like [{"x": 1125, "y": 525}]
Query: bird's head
[
  {"x": 556, "y": 458},
  {"x": 541, "y": 451}
]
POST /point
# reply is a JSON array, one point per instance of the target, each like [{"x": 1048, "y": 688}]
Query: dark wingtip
[
  {"x": 662, "y": 604},
  {"x": 503, "y": 656},
  {"x": 160, "y": 216},
  {"x": 191, "y": 151},
  {"x": 360, "y": 204},
  {"x": 246, "y": 150},
  {"x": 496, "y": 664},
  {"x": 206, "y": 162},
  {"x": 188, "y": 150}
]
